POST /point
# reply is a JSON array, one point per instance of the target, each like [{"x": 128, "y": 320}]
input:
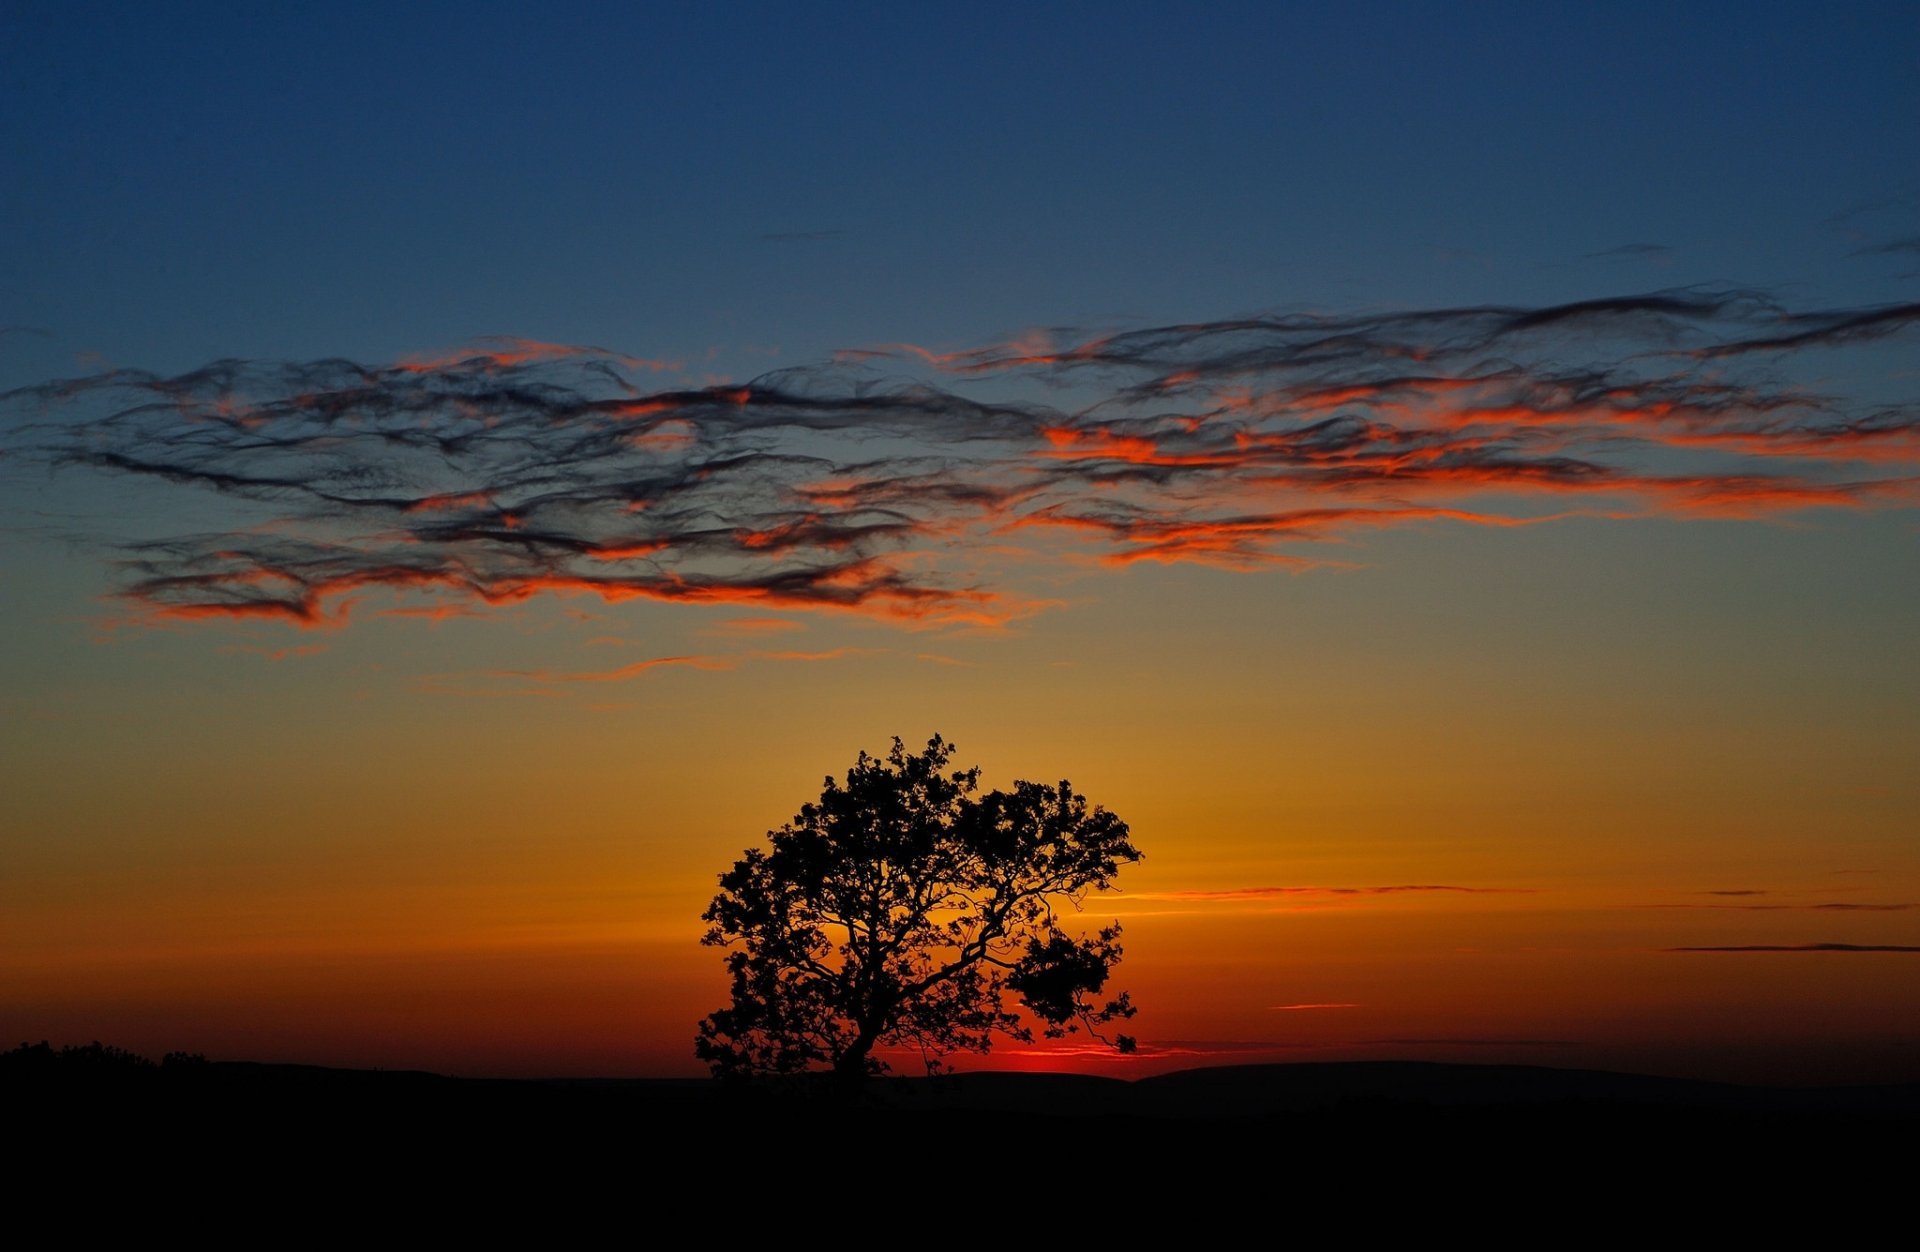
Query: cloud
[
  {"x": 1804, "y": 947},
  {"x": 1261, "y": 893},
  {"x": 1632, "y": 251},
  {"x": 756, "y": 626},
  {"x": 548, "y": 678},
  {"x": 499, "y": 353},
  {"x": 1147, "y": 1049},
  {"x": 1819, "y": 330},
  {"x": 1300, "y": 1008},
  {"x": 619, "y": 674},
  {"x": 277, "y": 654},
  {"x": 1475, "y": 1043},
  {"x": 825, "y": 654},
  {"x": 1774, "y": 908},
  {"x": 1218, "y": 1047},
  {"x": 880, "y": 485},
  {"x": 1895, "y": 247},
  {"x": 801, "y": 236}
]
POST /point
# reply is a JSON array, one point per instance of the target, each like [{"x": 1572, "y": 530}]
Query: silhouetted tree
[{"x": 903, "y": 910}]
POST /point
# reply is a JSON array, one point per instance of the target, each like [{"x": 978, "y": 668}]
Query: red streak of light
[{"x": 451, "y": 500}]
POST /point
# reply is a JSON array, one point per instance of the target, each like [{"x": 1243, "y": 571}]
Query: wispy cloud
[
  {"x": 1220, "y": 1047},
  {"x": 637, "y": 669},
  {"x": 1775, "y": 908},
  {"x": 1658, "y": 252},
  {"x": 1301, "y": 1008},
  {"x": 756, "y": 626},
  {"x": 1894, "y": 247},
  {"x": 293, "y": 652},
  {"x": 801, "y": 236},
  {"x": 1803, "y": 947},
  {"x": 1475, "y": 1043},
  {"x": 462, "y": 481},
  {"x": 621, "y": 673},
  {"x": 1263, "y": 893}
]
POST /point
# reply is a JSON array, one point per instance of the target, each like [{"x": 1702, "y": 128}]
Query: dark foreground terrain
[{"x": 1319, "y": 1144}]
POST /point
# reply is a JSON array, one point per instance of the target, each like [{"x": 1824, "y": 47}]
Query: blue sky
[{"x": 191, "y": 182}]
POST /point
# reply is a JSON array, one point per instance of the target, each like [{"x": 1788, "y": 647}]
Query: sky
[{"x": 1448, "y": 477}]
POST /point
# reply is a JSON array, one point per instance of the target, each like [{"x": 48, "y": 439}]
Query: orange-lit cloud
[
  {"x": 521, "y": 469},
  {"x": 432, "y": 613},
  {"x": 635, "y": 669},
  {"x": 279, "y": 654},
  {"x": 504, "y": 352},
  {"x": 620, "y": 674},
  {"x": 461, "y": 500},
  {"x": 825, "y": 654},
  {"x": 1262, "y": 893},
  {"x": 757, "y": 626},
  {"x": 1239, "y": 540},
  {"x": 1470, "y": 1043},
  {"x": 1776, "y": 908},
  {"x": 1150, "y": 1048}
]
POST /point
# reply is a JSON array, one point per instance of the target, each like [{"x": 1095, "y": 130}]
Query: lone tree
[{"x": 902, "y": 910}]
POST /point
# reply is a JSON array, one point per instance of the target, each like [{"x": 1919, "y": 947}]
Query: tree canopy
[{"x": 902, "y": 909}]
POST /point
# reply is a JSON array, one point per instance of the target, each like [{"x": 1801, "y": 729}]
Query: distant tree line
[{"x": 94, "y": 1060}]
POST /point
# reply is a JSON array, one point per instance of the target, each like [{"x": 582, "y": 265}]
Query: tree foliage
[{"x": 902, "y": 909}]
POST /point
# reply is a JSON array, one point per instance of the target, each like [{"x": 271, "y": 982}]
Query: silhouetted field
[{"x": 1234, "y": 1138}]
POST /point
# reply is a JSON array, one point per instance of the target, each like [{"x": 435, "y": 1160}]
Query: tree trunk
[{"x": 851, "y": 1066}]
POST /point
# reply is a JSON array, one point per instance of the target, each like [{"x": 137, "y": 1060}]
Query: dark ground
[{"x": 1326, "y": 1145}]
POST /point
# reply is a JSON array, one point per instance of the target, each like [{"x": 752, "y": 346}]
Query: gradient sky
[{"x": 1449, "y": 477}]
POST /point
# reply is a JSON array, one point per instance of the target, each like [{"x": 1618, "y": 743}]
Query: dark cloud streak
[
  {"x": 517, "y": 468},
  {"x": 1804, "y": 947},
  {"x": 1474, "y": 1043},
  {"x": 1262, "y": 893},
  {"x": 1895, "y": 247},
  {"x": 1632, "y": 251},
  {"x": 1776, "y": 908}
]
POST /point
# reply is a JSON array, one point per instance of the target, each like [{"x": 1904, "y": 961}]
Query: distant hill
[
  {"x": 1241, "y": 1137},
  {"x": 1230, "y": 1092},
  {"x": 1258, "y": 1091}
]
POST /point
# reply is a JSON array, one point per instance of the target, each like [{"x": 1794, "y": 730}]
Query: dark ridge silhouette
[
  {"x": 1259, "y": 1090},
  {"x": 253, "y": 1143},
  {"x": 30, "y": 1073}
]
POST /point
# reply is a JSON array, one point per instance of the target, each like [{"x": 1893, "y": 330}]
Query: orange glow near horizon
[
  {"x": 541, "y": 913},
  {"x": 1580, "y": 731}
]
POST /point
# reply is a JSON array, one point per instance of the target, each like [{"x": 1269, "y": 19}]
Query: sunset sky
[{"x": 1448, "y": 476}]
